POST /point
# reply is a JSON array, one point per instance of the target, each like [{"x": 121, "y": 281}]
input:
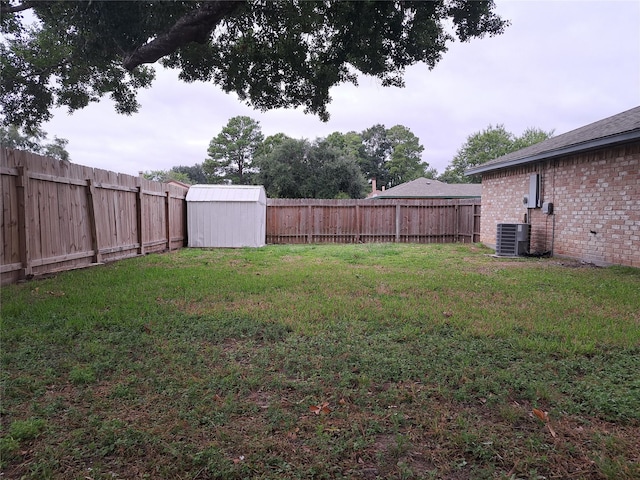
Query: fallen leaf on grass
[
  {"x": 544, "y": 416},
  {"x": 318, "y": 409}
]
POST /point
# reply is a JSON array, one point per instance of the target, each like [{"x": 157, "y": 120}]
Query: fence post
[
  {"x": 398, "y": 219},
  {"x": 475, "y": 234},
  {"x": 93, "y": 226},
  {"x": 357, "y": 222},
  {"x": 139, "y": 218},
  {"x": 167, "y": 219},
  {"x": 22, "y": 184},
  {"x": 309, "y": 224},
  {"x": 456, "y": 229}
]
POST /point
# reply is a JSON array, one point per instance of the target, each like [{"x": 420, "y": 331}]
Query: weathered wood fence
[
  {"x": 360, "y": 221},
  {"x": 58, "y": 215}
]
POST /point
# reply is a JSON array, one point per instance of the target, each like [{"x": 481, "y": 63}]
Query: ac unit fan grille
[{"x": 512, "y": 239}]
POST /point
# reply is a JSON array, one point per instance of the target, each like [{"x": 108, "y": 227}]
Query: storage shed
[{"x": 226, "y": 216}]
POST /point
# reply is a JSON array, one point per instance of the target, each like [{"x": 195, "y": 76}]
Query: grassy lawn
[{"x": 342, "y": 361}]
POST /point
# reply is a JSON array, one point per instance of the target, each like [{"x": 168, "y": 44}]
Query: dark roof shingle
[{"x": 618, "y": 128}]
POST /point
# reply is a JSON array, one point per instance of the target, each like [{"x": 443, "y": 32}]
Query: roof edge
[
  {"x": 559, "y": 152},
  {"x": 405, "y": 197}
]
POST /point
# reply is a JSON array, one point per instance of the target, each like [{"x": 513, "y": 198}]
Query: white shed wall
[{"x": 226, "y": 222}]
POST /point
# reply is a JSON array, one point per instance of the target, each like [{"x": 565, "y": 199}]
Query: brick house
[{"x": 579, "y": 192}]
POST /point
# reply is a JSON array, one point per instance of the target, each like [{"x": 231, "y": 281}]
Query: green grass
[{"x": 430, "y": 358}]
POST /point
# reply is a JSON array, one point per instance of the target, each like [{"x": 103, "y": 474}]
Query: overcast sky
[{"x": 560, "y": 65}]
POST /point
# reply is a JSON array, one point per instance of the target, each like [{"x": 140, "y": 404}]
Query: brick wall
[{"x": 596, "y": 199}]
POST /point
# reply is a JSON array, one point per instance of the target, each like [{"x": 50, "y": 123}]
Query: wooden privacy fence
[
  {"x": 58, "y": 215},
  {"x": 359, "y": 221}
]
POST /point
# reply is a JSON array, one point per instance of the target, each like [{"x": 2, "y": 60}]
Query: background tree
[
  {"x": 490, "y": 143},
  {"x": 194, "y": 174},
  {"x": 335, "y": 172},
  {"x": 271, "y": 54},
  {"x": 301, "y": 169},
  {"x": 349, "y": 144},
  {"x": 283, "y": 167},
  {"x": 406, "y": 162},
  {"x": 34, "y": 140},
  {"x": 376, "y": 151},
  {"x": 530, "y": 137},
  {"x": 345, "y": 161},
  {"x": 269, "y": 144},
  {"x": 57, "y": 149},
  {"x": 431, "y": 172},
  {"x": 391, "y": 156},
  {"x": 231, "y": 152},
  {"x": 166, "y": 176}
]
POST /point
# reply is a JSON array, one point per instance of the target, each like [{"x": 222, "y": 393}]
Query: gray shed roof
[
  {"x": 621, "y": 128},
  {"x": 427, "y": 188}
]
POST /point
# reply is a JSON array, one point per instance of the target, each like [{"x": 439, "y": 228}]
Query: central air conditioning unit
[{"x": 512, "y": 239}]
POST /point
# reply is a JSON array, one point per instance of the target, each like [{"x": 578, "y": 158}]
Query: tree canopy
[
  {"x": 232, "y": 150},
  {"x": 337, "y": 166},
  {"x": 271, "y": 54},
  {"x": 391, "y": 155},
  {"x": 194, "y": 174},
  {"x": 405, "y": 163},
  {"x": 490, "y": 143},
  {"x": 375, "y": 154},
  {"x": 166, "y": 176},
  {"x": 290, "y": 168},
  {"x": 34, "y": 141}
]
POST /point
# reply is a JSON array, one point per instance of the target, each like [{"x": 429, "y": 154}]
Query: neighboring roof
[
  {"x": 428, "y": 188},
  {"x": 621, "y": 128},
  {"x": 226, "y": 193},
  {"x": 178, "y": 183}
]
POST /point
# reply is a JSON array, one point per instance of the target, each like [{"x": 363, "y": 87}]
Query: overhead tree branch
[
  {"x": 6, "y": 8},
  {"x": 195, "y": 26}
]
